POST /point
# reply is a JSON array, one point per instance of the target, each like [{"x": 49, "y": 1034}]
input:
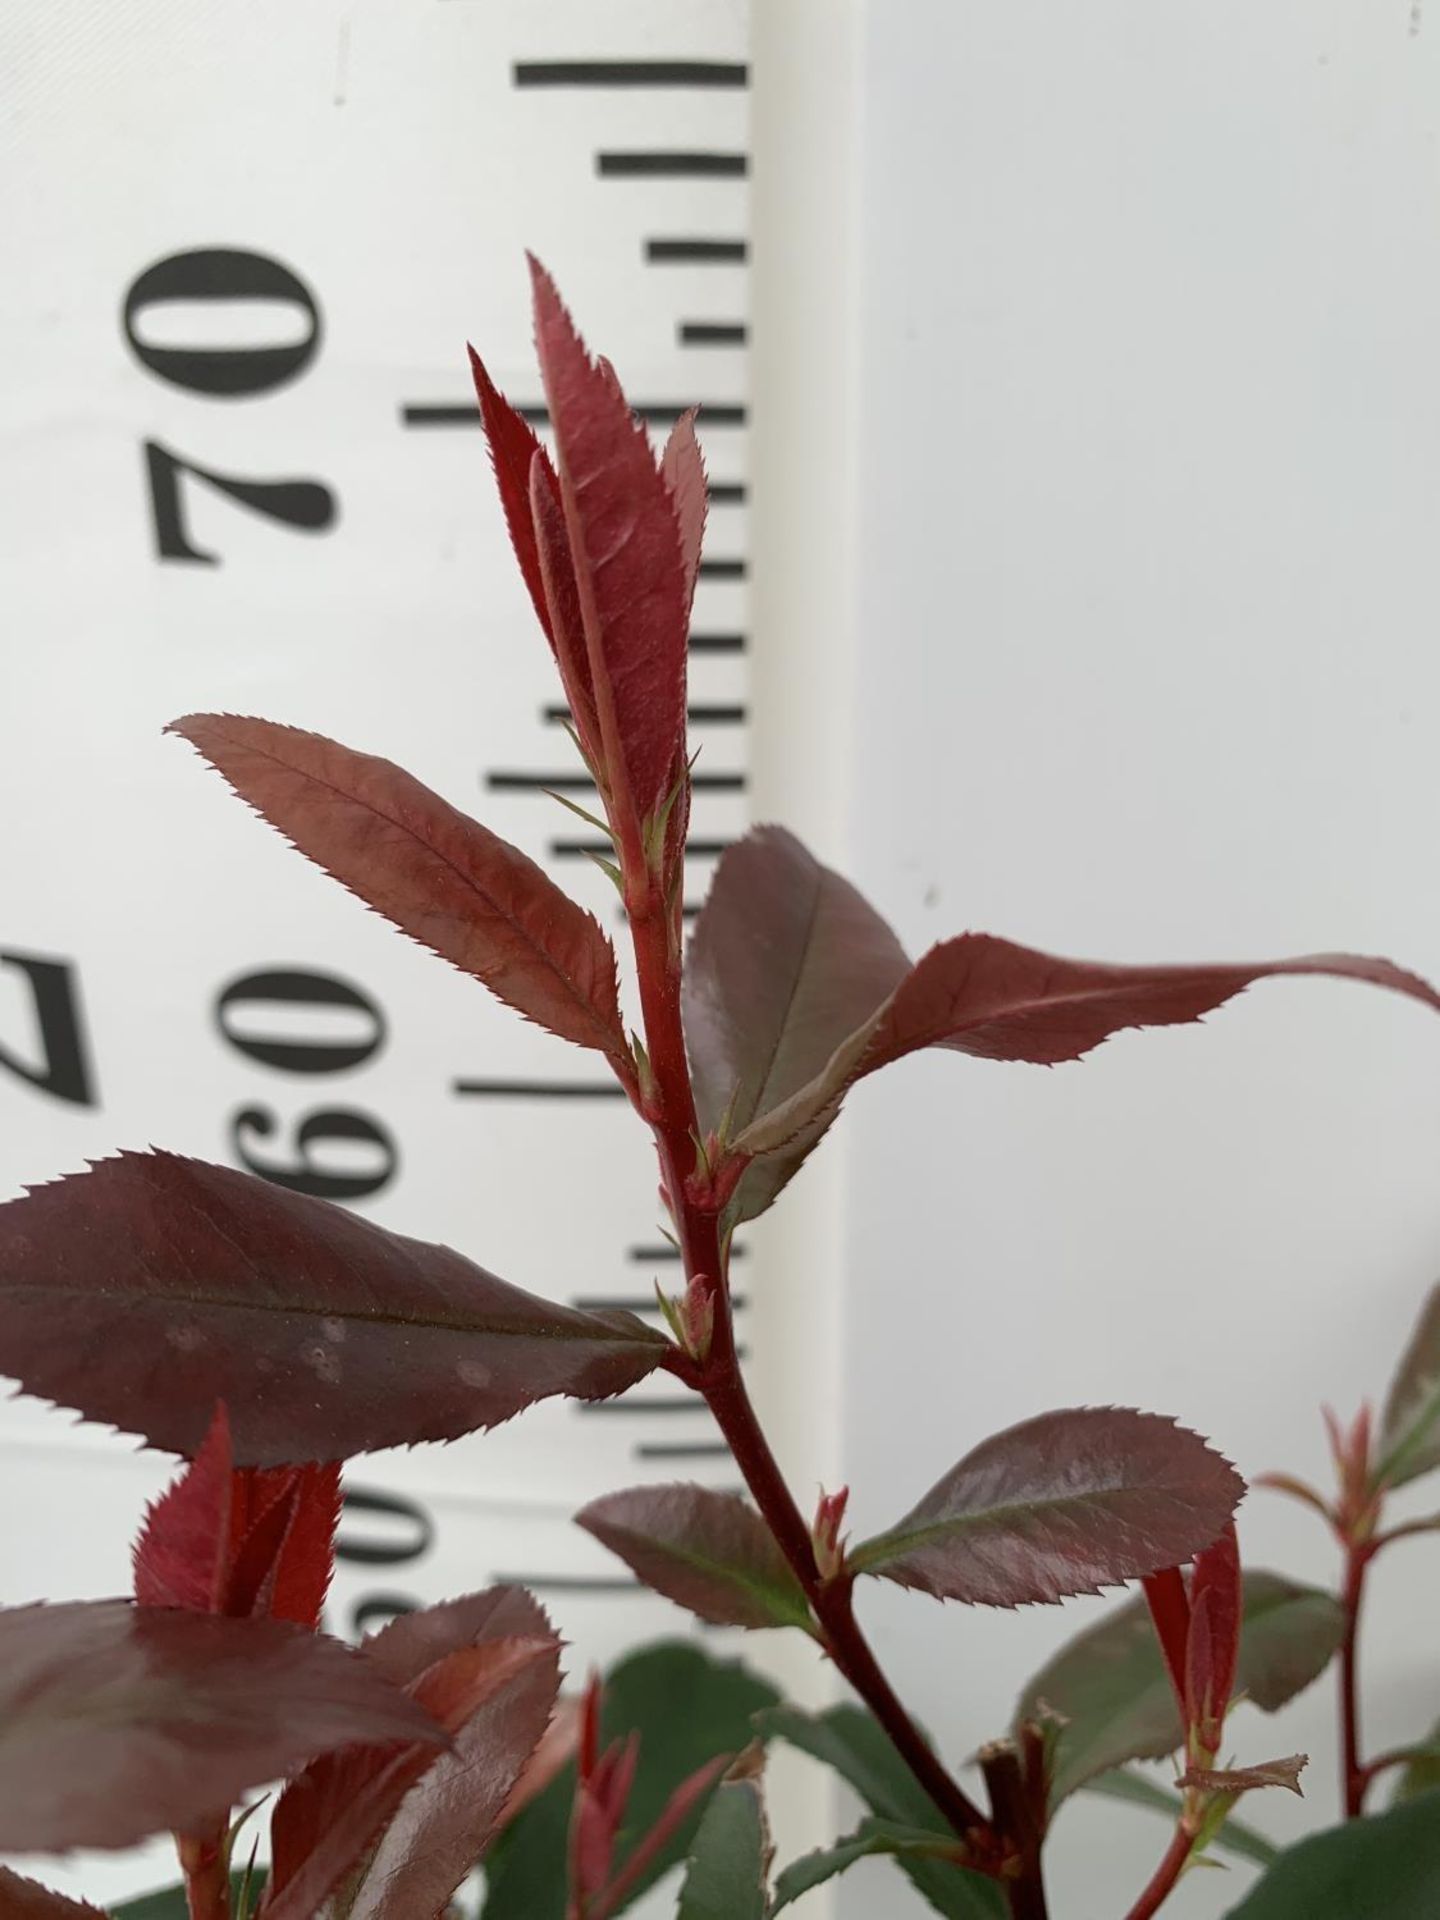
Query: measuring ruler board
[{"x": 246, "y": 475}]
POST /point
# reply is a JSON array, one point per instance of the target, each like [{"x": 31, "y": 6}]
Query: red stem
[
  {"x": 1354, "y": 1777},
  {"x": 1162, "y": 1881},
  {"x": 207, "y": 1876},
  {"x": 719, "y": 1379}
]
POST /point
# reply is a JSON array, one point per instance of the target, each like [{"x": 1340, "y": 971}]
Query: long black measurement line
[
  {"x": 717, "y": 643},
  {"x": 631, "y": 73},
  {"x": 682, "y": 1450},
  {"x": 664, "y": 1250},
  {"x": 539, "y": 1089},
  {"x": 465, "y": 413},
  {"x": 727, "y": 493},
  {"x": 724, "y": 569},
  {"x": 713, "y": 333},
  {"x": 714, "y": 714},
  {"x": 633, "y": 1302},
  {"x": 672, "y": 166},
  {"x": 569, "y": 1582},
  {"x": 697, "y": 252},
  {"x": 505, "y": 781},
  {"x": 605, "y": 849}
]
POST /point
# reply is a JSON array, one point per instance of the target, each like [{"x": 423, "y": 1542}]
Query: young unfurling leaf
[
  {"x": 705, "y": 1550},
  {"x": 436, "y": 874},
  {"x": 243, "y": 1541},
  {"x": 625, "y": 544},
  {"x": 682, "y": 468},
  {"x": 118, "y": 1721},
  {"x": 146, "y": 1290},
  {"x": 1063, "y": 1504}
]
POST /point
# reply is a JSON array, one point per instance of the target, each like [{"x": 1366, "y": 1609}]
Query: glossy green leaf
[
  {"x": 786, "y": 962},
  {"x": 1421, "y": 1773},
  {"x": 1110, "y": 1687},
  {"x": 432, "y": 871},
  {"x": 143, "y": 1292},
  {"x": 870, "y": 1837},
  {"x": 718, "y": 1701},
  {"x": 851, "y": 1742},
  {"x": 708, "y": 1551},
  {"x": 1138, "y": 1790},
  {"x": 1063, "y": 1504},
  {"x": 117, "y": 1721},
  {"x": 1410, "y": 1431},
  {"x": 1383, "y": 1868},
  {"x": 726, "y": 1877}
]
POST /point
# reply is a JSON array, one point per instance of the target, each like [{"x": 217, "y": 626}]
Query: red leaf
[
  {"x": 1065, "y": 1503},
  {"x": 282, "y": 1563},
  {"x": 1168, "y": 1599},
  {"x": 514, "y": 446},
  {"x": 323, "y": 1334},
  {"x": 625, "y": 543},
  {"x": 22, "y": 1899},
  {"x": 705, "y": 1550},
  {"x": 182, "y": 1555},
  {"x": 682, "y": 466},
  {"x": 557, "y": 571},
  {"x": 1216, "y": 1603},
  {"x": 486, "y": 1666},
  {"x": 241, "y": 1541},
  {"x": 119, "y": 1721},
  {"x": 437, "y": 875},
  {"x": 999, "y": 1001}
]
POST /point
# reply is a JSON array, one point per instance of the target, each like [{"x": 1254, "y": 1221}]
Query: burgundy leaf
[
  {"x": 439, "y": 876},
  {"x": 708, "y": 1551},
  {"x": 626, "y": 547},
  {"x": 1066, "y": 1503},
  {"x": 999, "y": 1001},
  {"x": 142, "y": 1292},
  {"x": 437, "y": 1813},
  {"x": 327, "y": 1822},
  {"x": 683, "y": 468},
  {"x": 787, "y": 963},
  {"x": 119, "y": 1721},
  {"x": 554, "y": 1752},
  {"x": 22, "y": 1899},
  {"x": 514, "y": 446}
]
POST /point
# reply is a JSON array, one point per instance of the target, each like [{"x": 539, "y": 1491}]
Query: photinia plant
[{"x": 306, "y": 1335}]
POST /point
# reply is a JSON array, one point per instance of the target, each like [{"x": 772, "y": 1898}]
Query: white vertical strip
[{"x": 802, "y": 614}]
